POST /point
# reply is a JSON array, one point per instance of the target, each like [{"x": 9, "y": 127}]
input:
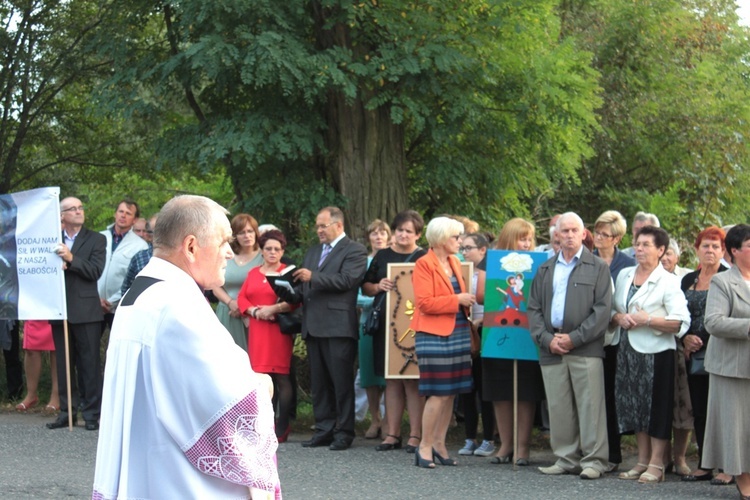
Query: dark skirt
[
  {"x": 445, "y": 362},
  {"x": 497, "y": 378},
  {"x": 644, "y": 390}
]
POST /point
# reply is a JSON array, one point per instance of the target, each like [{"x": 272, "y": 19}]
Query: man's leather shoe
[
  {"x": 339, "y": 444},
  {"x": 317, "y": 441},
  {"x": 60, "y": 423},
  {"x": 92, "y": 425}
]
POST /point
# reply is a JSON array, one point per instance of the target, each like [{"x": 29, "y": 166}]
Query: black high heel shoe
[
  {"x": 390, "y": 446},
  {"x": 421, "y": 462},
  {"x": 443, "y": 461}
]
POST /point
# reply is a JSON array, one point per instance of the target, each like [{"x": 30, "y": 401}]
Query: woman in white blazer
[
  {"x": 727, "y": 439},
  {"x": 650, "y": 309}
]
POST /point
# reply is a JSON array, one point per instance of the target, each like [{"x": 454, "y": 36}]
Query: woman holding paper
[
  {"x": 497, "y": 374},
  {"x": 270, "y": 350}
]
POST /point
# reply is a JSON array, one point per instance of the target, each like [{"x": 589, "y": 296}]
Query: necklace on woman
[{"x": 242, "y": 261}]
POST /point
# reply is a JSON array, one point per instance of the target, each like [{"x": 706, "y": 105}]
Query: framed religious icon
[{"x": 400, "y": 355}]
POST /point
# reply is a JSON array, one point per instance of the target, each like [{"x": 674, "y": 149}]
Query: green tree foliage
[
  {"x": 49, "y": 131},
  {"x": 461, "y": 105},
  {"x": 675, "y": 119}
]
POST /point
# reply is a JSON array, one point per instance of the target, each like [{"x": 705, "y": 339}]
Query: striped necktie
[{"x": 326, "y": 251}]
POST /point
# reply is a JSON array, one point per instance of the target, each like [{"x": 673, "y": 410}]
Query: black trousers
[
  {"x": 698, "y": 387},
  {"x": 613, "y": 429},
  {"x": 85, "y": 368},
  {"x": 472, "y": 401},
  {"x": 332, "y": 385}
]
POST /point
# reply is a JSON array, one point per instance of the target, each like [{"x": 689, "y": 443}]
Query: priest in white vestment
[{"x": 183, "y": 414}]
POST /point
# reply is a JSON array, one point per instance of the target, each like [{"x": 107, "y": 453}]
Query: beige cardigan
[{"x": 728, "y": 321}]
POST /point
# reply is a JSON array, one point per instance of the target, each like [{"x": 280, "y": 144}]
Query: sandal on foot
[
  {"x": 27, "y": 406},
  {"x": 633, "y": 473},
  {"x": 389, "y": 446},
  {"x": 717, "y": 481},
  {"x": 421, "y": 462},
  {"x": 436, "y": 457},
  {"x": 505, "y": 459},
  {"x": 648, "y": 478},
  {"x": 412, "y": 448}
]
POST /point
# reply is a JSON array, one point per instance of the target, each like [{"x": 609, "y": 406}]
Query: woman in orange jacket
[{"x": 443, "y": 342}]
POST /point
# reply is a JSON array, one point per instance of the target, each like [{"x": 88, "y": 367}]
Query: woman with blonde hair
[
  {"x": 609, "y": 229},
  {"x": 497, "y": 374},
  {"x": 442, "y": 340},
  {"x": 379, "y": 236},
  {"x": 517, "y": 234}
]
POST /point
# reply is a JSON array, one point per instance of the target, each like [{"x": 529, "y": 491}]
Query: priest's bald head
[{"x": 193, "y": 233}]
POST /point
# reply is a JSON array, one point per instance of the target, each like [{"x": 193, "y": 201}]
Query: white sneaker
[
  {"x": 486, "y": 449},
  {"x": 468, "y": 448}
]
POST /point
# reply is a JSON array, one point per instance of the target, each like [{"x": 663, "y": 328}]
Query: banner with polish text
[{"x": 32, "y": 282}]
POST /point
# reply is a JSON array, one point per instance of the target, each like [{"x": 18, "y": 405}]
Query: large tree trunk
[
  {"x": 365, "y": 148},
  {"x": 366, "y": 161}
]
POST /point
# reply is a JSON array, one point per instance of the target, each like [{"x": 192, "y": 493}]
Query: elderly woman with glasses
[
  {"x": 442, "y": 340},
  {"x": 609, "y": 229}
]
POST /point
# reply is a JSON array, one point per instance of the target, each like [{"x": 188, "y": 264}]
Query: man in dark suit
[
  {"x": 83, "y": 254},
  {"x": 327, "y": 287}
]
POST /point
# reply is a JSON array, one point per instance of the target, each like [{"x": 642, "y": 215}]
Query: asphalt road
[{"x": 39, "y": 463}]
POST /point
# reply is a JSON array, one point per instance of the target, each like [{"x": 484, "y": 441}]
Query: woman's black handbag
[
  {"x": 372, "y": 323},
  {"x": 375, "y": 317},
  {"x": 695, "y": 363},
  {"x": 290, "y": 322}
]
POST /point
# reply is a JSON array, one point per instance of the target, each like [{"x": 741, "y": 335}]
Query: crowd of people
[{"x": 629, "y": 342}]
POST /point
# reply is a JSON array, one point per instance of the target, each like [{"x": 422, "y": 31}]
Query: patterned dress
[
  {"x": 644, "y": 388},
  {"x": 445, "y": 362}
]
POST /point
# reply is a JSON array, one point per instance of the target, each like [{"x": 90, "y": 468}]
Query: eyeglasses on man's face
[
  {"x": 320, "y": 227},
  {"x": 79, "y": 208}
]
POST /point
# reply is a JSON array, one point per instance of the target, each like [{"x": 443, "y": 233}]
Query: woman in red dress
[{"x": 270, "y": 350}]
